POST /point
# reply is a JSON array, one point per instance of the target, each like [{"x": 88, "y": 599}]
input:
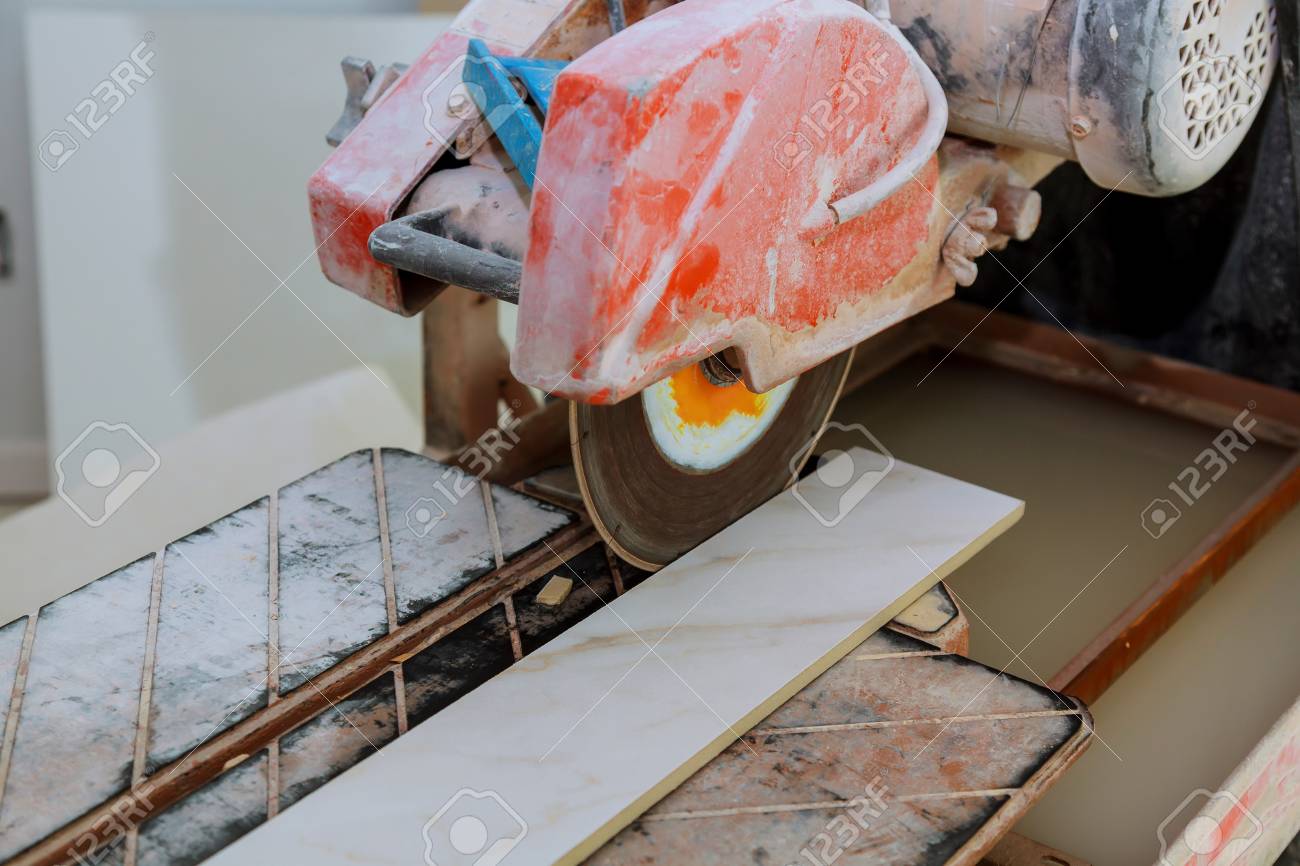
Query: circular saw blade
[{"x": 652, "y": 509}]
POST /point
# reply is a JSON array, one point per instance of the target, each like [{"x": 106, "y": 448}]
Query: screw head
[{"x": 1080, "y": 126}]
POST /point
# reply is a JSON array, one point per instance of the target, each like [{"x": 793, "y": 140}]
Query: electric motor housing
[{"x": 1148, "y": 96}]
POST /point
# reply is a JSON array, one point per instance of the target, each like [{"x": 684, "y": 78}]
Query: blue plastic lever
[{"x": 487, "y": 77}]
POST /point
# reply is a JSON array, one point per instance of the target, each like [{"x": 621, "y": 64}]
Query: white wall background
[
  {"x": 22, "y": 408},
  {"x": 128, "y": 279}
]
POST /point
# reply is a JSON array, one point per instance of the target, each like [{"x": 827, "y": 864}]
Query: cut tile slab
[{"x": 652, "y": 686}]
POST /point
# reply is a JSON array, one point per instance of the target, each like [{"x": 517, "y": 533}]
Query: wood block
[
  {"x": 557, "y": 589},
  {"x": 559, "y": 752}
]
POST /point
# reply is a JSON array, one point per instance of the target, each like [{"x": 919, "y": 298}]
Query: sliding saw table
[{"x": 165, "y": 709}]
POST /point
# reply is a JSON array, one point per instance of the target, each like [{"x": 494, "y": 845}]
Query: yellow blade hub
[{"x": 701, "y": 425}]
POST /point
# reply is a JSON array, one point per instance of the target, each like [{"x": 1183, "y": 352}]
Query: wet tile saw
[{"x": 701, "y": 208}]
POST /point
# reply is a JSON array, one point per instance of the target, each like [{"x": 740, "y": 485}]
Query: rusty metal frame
[{"x": 1151, "y": 382}]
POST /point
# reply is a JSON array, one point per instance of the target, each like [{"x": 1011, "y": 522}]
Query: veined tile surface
[{"x": 736, "y": 626}]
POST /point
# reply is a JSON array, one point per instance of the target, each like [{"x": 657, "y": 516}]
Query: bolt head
[
  {"x": 1080, "y": 126},
  {"x": 458, "y": 104}
]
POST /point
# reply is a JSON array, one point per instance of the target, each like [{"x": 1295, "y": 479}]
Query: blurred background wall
[{"x": 126, "y": 298}]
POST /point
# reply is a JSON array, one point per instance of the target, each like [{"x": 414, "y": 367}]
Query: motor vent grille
[{"x": 1222, "y": 86}]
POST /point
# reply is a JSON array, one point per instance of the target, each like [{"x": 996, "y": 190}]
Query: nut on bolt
[
  {"x": 458, "y": 104},
  {"x": 1080, "y": 126},
  {"x": 1019, "y": 210}
]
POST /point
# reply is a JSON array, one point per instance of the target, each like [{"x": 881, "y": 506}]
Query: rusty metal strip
[
  {"x": 512, "y": 620},
  {"x": 615, "y": 571},
  {"x": 1153, "y": 613},
  {"x": 170, "y": 783},
  {"x": 385, "y": 540},
  {"x": 146, "y": 672},
  {"x": 1016, "y": 850},
  {"x": 390, "y": 585},
  {"x": 16, "y": 700},
  {"x": 131, "y": 846},
  {"x": 1150, "y": 381},
  {"x": 272, "y": 647},
  {"x": 489, "y": 508}
]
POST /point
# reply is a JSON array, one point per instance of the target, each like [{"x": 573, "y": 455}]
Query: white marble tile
[{"x": 587, "y": 732}]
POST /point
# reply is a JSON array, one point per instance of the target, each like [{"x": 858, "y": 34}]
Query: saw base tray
[{"x": 250, "y": 767}]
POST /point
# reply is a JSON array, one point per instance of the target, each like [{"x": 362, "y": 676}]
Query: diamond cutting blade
[{"x": 691, "y": 454}]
